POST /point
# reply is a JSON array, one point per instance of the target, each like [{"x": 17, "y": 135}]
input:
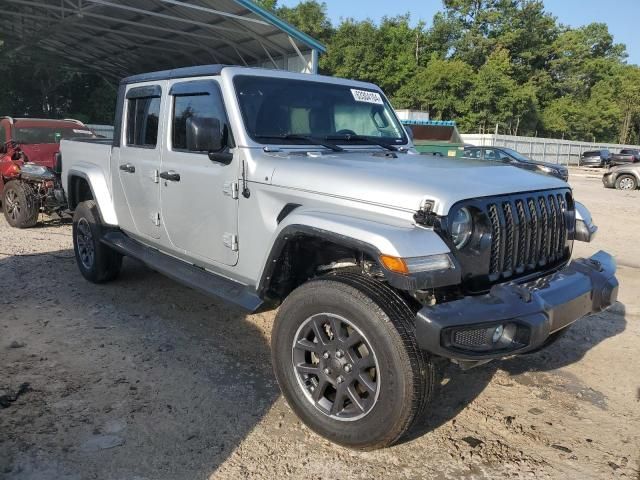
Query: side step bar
[{"x": 197, "y": 278}]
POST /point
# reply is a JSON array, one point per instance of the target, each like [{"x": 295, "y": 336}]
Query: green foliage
[
  {"x": 480, "y": 62},
  {"x": 491, "y": 62},
  {"x": 441, "y": 88},
  {"x": 34, "y": 87},
  {"x": 385, "y": 54},
  {"x": 310, "y": 17}
]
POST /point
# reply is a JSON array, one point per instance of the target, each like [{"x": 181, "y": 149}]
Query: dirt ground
[{"x": 145, "y": 379}]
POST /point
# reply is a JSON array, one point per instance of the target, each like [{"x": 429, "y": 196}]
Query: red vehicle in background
[{"x": 30, "y": 167}]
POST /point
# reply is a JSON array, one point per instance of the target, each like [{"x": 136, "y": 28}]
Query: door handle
[
  {"x": 170, "y": 175},
  {"x": 127, "y": 167}
]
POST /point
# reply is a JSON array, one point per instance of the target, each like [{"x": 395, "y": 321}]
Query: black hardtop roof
[{"x": 184, "y": 72}]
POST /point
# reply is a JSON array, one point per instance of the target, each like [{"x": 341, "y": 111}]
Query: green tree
[
  {"x": 267, "y": 4},
  {"x": 497, "y": 99},
  {"x": 310, "y": 17},
  {"x": 441, "y": 88},
  {"x": 387, "y": 54},
  {"x": 629, "y": 103}
]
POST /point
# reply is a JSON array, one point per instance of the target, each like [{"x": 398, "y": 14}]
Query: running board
[{"x": 197, "y": 278}]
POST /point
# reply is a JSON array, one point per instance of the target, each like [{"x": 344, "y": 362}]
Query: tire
[
  {"x": 20, "y": 205},
  {"x": 626, "y": 182},
  {"x": 391, "y": 378},
  {"x": 97, "y": 262}
]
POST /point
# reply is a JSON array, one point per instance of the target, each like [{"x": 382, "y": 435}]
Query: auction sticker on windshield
[{"x": 367, "y": 97}]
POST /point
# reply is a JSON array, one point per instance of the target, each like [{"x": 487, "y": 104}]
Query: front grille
[{"x": 527, "y": 232}]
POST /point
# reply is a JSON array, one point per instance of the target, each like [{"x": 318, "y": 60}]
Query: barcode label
[{"x": 366, "y": 96}]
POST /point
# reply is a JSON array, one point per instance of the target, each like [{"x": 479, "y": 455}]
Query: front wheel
[
  {"x": 626, "y": 182},
  {"x": 97, "y": 262},
  {"x": 20, "y": 205},
  {"x": 346, "y": 359}
]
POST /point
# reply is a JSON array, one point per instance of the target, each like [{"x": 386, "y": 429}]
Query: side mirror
[
  {"x": 205, "y": 135},
  {"x": 409, "y": 131}
]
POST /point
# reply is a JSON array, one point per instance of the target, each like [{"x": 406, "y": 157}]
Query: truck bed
[{"x": 94, "y": 155}]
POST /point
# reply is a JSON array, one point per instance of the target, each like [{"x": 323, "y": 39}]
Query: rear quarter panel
[{"x": 90, "y": 160}]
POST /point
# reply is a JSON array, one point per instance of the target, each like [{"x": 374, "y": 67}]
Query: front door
[
  {"x": 198, "y": 194},
  {"x": 139, "y": 160}
]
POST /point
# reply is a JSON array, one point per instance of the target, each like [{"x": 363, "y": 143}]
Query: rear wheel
[
  {"x": 20, "y": 205},
  {"x": 626, "y": 182},
  {"x": 345, "y": 356},
  {"x": 97, "y": 262}
]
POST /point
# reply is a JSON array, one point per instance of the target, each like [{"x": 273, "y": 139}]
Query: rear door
[
  {"x": 199, "y": 196},
  {"x": 139, "y": 157}
]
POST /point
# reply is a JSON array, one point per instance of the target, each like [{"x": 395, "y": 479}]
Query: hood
[
  {"x": 544, "y": 164},
  {"x": 41, "y": 153},
  {"x": 403, "y": 182}
]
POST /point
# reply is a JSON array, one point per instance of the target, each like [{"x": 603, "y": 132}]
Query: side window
[
  {"x": 143, "y": 117},
  {"x": 491, "y": 154},
  {"x": 3, "y": 134},
  {"x": 194, "y": 110},
  {"x": 472, "y": 153},
  {"x": 502, "y": 156}
]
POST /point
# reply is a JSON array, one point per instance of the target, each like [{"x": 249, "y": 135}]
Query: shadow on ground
[
  {"x": 456, "y": 388},
  {"x": 145, "y": 378},
  {"x": 139, "y": 378}
]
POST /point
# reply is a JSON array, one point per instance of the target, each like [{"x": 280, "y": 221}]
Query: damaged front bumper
[{"x": 516, "y": 318}]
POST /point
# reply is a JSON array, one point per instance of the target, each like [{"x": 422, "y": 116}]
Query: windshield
[
  {"x": 275, "y": 110},
  {"x": 35, "y": 135},
  {"x": 516, "y": 155}
]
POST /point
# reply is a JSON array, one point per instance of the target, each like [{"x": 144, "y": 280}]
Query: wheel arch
[
  {"x": 306, "y": 240},
  {"x": 90, "y": 184}
]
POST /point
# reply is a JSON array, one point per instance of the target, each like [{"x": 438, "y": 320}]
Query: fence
[
  {"x": 102, "y": 130},
  {"x": 545, "y": 149}
]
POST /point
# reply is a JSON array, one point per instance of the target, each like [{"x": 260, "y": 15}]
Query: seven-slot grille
[{"x": 528, "y": 232}]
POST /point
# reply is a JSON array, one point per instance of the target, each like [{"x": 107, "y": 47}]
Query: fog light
[
  {"x": 497, "y": 333},
  {"x": 503, "y": 337}
]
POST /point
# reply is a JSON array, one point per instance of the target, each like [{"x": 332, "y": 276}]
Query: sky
[{"x": 622, "y": 16}]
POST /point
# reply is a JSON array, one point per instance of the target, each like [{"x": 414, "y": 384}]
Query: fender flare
[
  {"x": 403, "y": 239},
  {"x": 99, "y": 189}
]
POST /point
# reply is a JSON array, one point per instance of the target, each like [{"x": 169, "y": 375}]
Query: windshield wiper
[
  {"x": 361, "y": 138},
  {"x": 311, "y": 140}
]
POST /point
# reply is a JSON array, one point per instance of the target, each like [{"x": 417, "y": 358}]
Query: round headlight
[{"x": 461, "y": 227}]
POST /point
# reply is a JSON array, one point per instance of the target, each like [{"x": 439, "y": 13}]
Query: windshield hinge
[
  {"x": 230, "y": 241},
  {"x": 425, "y": 216},
  {"x": 230, "y": 189}
]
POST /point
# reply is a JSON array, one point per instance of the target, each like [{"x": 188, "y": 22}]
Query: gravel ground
[{"x": 145, "y": 379}]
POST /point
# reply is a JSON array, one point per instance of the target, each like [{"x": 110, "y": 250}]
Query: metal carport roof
[{"x": 117, "y": 38}]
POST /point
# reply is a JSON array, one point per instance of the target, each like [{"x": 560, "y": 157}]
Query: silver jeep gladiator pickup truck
[{"x": 268, "y": 188}]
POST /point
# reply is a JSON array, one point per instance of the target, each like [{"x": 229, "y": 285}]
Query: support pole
[{"x": 314, "y": 61}]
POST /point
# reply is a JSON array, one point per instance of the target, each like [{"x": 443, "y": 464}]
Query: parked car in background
[
  {"x": 508, "y": 155},
  {"x": 626, "y": 155},
  {"x": 622, "y": 177},
  {"x": 595, "y": 158},
  {"x": 29, "y": 177},
  {"x": 267, "y": 188}
]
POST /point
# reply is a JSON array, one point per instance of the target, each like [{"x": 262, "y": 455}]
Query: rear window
[
  {"x": 591, "y": 154},
  {"x": 35, "y": 135},
  {"x": 142, "y": 121}
]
